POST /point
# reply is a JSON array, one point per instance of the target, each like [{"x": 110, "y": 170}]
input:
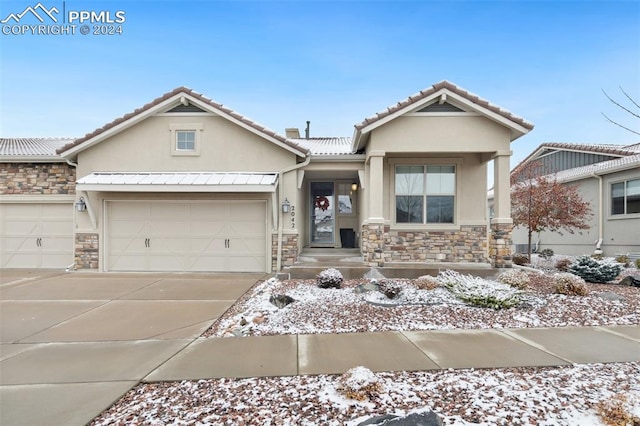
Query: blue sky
[{"x": 334, "y": 63}]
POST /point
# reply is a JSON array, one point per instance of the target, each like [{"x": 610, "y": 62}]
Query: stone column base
[
  {"x": 87, "y": 251},
  {"x": 500, "y": 245},
  {"x": 289, "y": 250}
]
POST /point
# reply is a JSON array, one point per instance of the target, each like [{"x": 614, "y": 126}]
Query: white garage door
[
  {"x": 36, "y": 235},
  {"x": 221, "y": 236}
]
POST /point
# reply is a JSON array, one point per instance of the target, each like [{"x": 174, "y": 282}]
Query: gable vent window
[{"x": 185, "y": 139}]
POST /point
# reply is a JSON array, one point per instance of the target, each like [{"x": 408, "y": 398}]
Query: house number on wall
[{"x": 293, "y": 217}]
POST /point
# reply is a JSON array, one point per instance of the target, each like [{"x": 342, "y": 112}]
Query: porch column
[
  {"x": 501, "y": 225},
  {"x": 374, "y": 232},
  {"x": 376, "y": 184}
]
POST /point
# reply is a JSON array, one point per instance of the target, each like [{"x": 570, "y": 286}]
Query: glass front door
[{"x": 322, "y": 214}]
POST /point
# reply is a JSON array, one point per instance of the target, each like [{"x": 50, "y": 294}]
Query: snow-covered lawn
[
  {"x": 346, "y": 310},
  {"x": 523, "y": 396}
]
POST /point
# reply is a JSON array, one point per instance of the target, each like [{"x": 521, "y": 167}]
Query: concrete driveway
[{"x": 73, "y": 343}]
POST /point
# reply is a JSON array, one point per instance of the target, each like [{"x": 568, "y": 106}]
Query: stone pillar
[
  {"x": 87, "y": 252},
  {"x": 500, "y": 244},
  {"x": 373, "y": 242}
]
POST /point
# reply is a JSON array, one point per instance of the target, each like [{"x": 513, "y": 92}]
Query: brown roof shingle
[
  {"x": 453, "y": 88},
  {"x": 184, "y": 90}
]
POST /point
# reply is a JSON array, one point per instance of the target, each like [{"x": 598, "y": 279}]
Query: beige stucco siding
[
  {"x": 440, "y": 134},
  {"x": 147, "y": 146}
]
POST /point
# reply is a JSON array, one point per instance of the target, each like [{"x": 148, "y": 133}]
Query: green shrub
[
  {"x": 426, "y": 282},
  {"x": 546, "y": 253},
  {"x": 638, "y": 263},
  {"x": 520, "y": 259},
  {"x": 594, "y": 270},
  {"x": 480, "y": 292},
  {"x": 623, "y": 259},
  {"x": 329, "y": 278},
  {"x": 569, "y": 284},
  {"x": 516, "y": 278}
]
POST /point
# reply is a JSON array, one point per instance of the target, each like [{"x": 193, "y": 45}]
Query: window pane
[
  {"x": 344, "y": 198},
  {"x": 409, "y": 180},
  {"x": 633, "y": 196},
  {"x": 186, "y": 140},
  {"x": 617, "y": 198},
  {"x": 440, "y": 209},
  {"x": 409, "y": 209},
  {"x": 441, "y": 180}
]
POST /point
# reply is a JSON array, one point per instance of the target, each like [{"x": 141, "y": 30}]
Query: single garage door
[
  {"x": 220, "y": 236},
  {"x": 38, "y": 235}
]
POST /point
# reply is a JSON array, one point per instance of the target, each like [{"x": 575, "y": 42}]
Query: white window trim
[
  {"x": 393, "y": 162},
  {"x": 185, "y": 127},
  {"x": 612, "y": 216}
]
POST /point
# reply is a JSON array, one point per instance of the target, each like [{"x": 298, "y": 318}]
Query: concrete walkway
[{"x": 72, "y": 344}]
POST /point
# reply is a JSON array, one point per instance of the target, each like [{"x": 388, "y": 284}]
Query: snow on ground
[
  {"x": 513, "y": 396},
  {"x": 345, "y": 310}
]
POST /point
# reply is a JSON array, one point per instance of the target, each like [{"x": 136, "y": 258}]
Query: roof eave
[{"x": 32, "y": 159}]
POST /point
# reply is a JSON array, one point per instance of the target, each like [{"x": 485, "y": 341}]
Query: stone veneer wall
[
  {"x": 381, "y": 245},
  {"x": 37, "y": 178},
  {"x": 87, "y": 252},
  {"x": 289, "y": 250},
  {"x": 500, "y": 245}
]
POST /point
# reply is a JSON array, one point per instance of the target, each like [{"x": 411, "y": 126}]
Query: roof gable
[
  {"x": 174, "y": 102},
  {"x": 443, "y": 92}
]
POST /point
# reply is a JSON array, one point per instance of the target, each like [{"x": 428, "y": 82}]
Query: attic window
[
  {"x": 437, "y": 107},
  {"x": 186, "y": 108},
  {"x": 186, "y": 138}
]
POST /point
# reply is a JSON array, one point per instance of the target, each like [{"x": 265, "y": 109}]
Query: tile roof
[
  {"x": 326, "y": 145},
  {"x": 32, "y": 147},
  {"x": 196, "y": 95},
  {"x": 601, "y": 168},
  {"x": 607, "y": 149},
  {"x": 453, "y": 88}
]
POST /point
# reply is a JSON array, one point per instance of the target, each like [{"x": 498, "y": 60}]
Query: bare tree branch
[
  {"x": 629, "y": 97},
  {"x": 619, "y": 125},
  {"x": 621, "y": 106}
]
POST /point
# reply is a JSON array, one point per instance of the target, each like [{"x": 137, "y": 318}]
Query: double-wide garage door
[
  {"x": 212, "y": 236},
  {"x": 37, "y": 235}
]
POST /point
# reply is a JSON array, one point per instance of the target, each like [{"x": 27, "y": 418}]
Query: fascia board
[{"x": 175, "y": 188}]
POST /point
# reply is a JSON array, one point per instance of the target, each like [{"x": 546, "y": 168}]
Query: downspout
[
  {"x": 280, "y": 213},
  {"x": 600, "y": 213}
]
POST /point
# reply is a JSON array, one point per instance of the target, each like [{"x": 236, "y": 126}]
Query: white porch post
[
  {"x": 376, "y": 184},
  {"x": 501, "y": 224}
]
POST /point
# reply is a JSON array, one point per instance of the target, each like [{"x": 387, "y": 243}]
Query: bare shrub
[
  {"x": 516, "y": 278},
  {"x": 569, "y": 284},
  {"x": 359, "y": 383},
  {"x": 330, "y": 278},
  {"x": 615, "y": 412},
  {"x": 426, "y": 282}
]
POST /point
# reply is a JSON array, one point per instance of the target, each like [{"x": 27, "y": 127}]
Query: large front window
[
  {"x": 425, "y": 188},
  {"x": 625, "y": 197}
]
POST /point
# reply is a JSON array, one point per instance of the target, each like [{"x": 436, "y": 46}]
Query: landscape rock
[
  {"x": 426, "y": 418},
  {"x": 609, "y": 295},
  {"x": 367, "y": 287},
  {"x": 373, "y": 274},
  {"x": 631, "y": 281},
  {"x": 281, "y": 300}
]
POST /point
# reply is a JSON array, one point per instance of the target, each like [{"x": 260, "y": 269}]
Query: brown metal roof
[
  {"x": 184, "y": 90},
  {"x": 453, "y": 88}
]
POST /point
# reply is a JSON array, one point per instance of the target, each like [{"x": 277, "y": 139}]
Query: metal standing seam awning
[{"x": 178, "y": 182}]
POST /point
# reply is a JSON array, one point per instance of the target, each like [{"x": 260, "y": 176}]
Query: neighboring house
[
  {"x": 608, "y": 177},
  {"x": 186, "y": 184}
]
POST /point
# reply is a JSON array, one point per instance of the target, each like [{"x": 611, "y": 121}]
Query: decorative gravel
[{"x": 572, "y": 395}]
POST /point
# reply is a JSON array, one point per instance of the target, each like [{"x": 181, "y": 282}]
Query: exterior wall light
[
  {"x": 81, "y": 205},
  {"x": 285, "y": 206},
  {"x": 354, "y": 186}
]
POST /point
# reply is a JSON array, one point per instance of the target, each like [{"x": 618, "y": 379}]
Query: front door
[{"x": 322, "y": 214}]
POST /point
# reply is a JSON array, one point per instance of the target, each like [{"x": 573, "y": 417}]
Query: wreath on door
[{"x": 321, "y": 202}]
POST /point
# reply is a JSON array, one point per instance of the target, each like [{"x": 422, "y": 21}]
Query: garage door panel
[
  {"x": 36, "y": 235},
  {"x": 190, "y": 236}
]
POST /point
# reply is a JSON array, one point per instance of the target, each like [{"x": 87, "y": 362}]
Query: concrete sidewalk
[{"x": 72, "y": 344}]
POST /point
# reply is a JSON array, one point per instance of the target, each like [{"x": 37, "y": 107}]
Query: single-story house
[
  {"x": 186, "y": 184},
  {"x": 608, "y": 177}
]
